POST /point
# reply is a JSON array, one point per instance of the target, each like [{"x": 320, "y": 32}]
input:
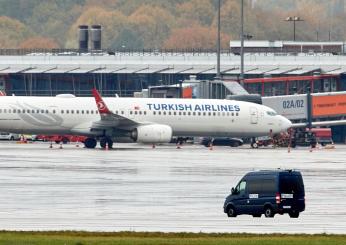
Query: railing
[{"x": 151, "y": 52}]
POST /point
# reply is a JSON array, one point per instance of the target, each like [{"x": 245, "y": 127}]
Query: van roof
[{"x": 272, "y": 172}]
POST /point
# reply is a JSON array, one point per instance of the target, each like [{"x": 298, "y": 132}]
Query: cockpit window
[{"x": 271, "y": 113}]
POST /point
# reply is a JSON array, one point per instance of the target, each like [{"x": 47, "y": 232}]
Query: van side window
[{"x": 261, "y": 186}]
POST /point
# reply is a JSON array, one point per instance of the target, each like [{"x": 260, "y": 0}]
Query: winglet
[{"x": 101, "y": 105}]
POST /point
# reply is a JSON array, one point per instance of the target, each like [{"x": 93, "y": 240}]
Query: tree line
[{"x": 164, "y": 24}]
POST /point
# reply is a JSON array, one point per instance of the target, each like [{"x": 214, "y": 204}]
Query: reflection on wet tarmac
[{"x": 163, "y": 189}]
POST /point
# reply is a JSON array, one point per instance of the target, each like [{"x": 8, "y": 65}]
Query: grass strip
[{"x": 157, "y": 238}]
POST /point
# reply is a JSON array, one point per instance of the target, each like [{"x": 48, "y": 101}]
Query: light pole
[
  {"x": 241, "y": 78},
  {"x": 294, "y": 19},
  {"x": 218, "y": 73}
]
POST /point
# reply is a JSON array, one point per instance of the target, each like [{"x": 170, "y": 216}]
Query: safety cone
[
  {"x": 77, "y": 143},
  {"x": 153, "y": 146},
  {"x": 60, "y": 145},
  {"x": 178, "y": 145},
  {"x": 51, "y": 145}
]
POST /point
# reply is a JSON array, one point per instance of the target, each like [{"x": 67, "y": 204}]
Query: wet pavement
[{"x": 137, "y": 188}]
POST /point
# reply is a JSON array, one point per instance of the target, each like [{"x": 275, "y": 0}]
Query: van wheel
[
  {"x": 293, "y": 214},
  {"x": 268, "y": 212},
  {"x": 257, "y": 215},
  {"x": 231, "y": 212}
]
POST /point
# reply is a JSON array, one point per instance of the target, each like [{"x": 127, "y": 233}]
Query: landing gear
[
  {"x": 106, "y": 141},
  {"x": 90, "y": 143}
]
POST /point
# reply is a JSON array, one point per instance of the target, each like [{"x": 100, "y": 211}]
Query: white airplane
[{"x": 144, "y": 120}]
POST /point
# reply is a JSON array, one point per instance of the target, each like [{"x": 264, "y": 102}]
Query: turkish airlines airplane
[{"x": 144, "y": 120}]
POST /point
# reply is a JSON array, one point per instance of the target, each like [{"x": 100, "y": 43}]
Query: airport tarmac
[{"x": 137, "y": 188}]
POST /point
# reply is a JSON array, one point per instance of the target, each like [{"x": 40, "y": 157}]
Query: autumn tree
[
  {"x": 12, "y": 32},
  {"x": 201, "y": 11},
  {"x": 153, "y": 25},
  {"x": 39, "y": 43},
  {"x": 195, "y": 37}
]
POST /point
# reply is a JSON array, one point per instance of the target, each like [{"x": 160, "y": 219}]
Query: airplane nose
[{"x": 286, "y": 124}]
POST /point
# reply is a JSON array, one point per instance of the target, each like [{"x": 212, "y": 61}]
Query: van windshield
[{"x": 291, "y": 184}]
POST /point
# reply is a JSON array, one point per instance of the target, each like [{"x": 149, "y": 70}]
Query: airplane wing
[
  {"x": 108, "y": 118},
  {"x": 319, "y": 124}
]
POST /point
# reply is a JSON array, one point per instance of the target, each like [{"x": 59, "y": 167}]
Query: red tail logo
[{"x": 101, "y": 106}]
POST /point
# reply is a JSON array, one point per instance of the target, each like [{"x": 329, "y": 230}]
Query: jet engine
[{"x": 153, "y": 133}]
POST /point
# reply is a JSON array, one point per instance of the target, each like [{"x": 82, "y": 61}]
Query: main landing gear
[
  {"x": 91, "y": 143},
  {"x": 106, "y": 141}
]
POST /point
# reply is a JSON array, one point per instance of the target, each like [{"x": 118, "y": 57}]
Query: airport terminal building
[{"x": 268, "y": 72}]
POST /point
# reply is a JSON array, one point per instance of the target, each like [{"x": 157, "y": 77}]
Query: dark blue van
[{"x": 269, "y": 193}]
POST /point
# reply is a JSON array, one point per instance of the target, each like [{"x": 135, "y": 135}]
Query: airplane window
[
  {"x": 116, "y": 112},
  {"x": 237, "y": 114},
  {"x": 174, "y": 113},
  {"x": 42, "y": 111},
  {"x": 72, "y": 111},
  {"x": 204, "y": 113},
  {"x": 54, "y": 111},
  {"x": 77, "y": 112},
  {"x": 219, "y": 113},
  {"x": 87, "y": 111},
  {"x": 164, "y": 113},
  {"x": 37, "y": 111},
  {"x": 9, "y": 110},
  {"x": 199, "y": 113},
  {"x": 214, "y": 114},
  {"x": 169, "y": 113},
  {"x": 92, "y": 112},
  {"x": 5, "y": 110},
  {"x": 154, "y": 112},
  {"x": 179, "y": 113},
  {"x": 136, "y": 112},
  {"x": 145, "y": 113},
  {"x": 0, "y": 110},
  {"x": 32, "y": 111},
  {"x": 223, "y": 114},
  {"x": 140, "y": 112},
  {"x": 67, "y": 111},
  {"x": 184, "y": 113},
  {"x": 97, "y": 112},
  {"x": 47, "y": 111},
  {"x": 82, "y": 111},
  {"x": 209, "y": 113},
  {"x": 189, "y": 113},
  {"x": 27, "y": 111},
  {"x": 122, "y": 112},
  {"x": 14, "y": 110},
  {"x": 194, "y": 113},
  {"x": 232, "y": 114},
  {"x": 62, "y": 111},
  {"x": 159, "y": 112},
  {"x": 130, "y": 112}
]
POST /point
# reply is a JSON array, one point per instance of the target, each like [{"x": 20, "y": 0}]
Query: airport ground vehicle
[
  {"x": 61, "y": 138},
  {"x": 9, "y": 136},
  {"x": 299, "y": 137},
  {"x": 222, "y": 141},
  {"x": 269, "y": 193}
]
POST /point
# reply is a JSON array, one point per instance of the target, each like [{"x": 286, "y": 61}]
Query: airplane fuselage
[{"x": 186, "y": 117}]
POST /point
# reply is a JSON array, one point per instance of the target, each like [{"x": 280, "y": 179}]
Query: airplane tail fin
[{"x": 101, "y": 105}]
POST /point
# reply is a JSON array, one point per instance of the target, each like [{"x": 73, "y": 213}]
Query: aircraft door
[{"x": 254, "y": 115}]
